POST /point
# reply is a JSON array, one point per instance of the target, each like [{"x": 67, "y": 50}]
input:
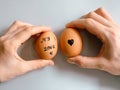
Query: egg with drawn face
[
  {"x": 46, "y": 45},
  {"x": 71, "y": 42}
]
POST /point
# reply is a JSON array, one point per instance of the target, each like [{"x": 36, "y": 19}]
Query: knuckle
[
  {"x": 29, "y": 30},
  {"x": 16, "y": 22},
  {"x": 90, "y": 14},
  {"x": 4, "y": 44},
  {"x": 111, "y": 35},
  {"x": 89, "y": 21},
  {"x": 101, "y": 9},
  {"x": 41, "y": 66},
  {"x": 4, "y": 41},
  {"x": 80, "y": 63},
  {"x": 112, "y": 32},
  {"x": 101, "y": 66}
]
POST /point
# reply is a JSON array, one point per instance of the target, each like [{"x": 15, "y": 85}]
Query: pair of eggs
[{"x": 70, "y": 44}]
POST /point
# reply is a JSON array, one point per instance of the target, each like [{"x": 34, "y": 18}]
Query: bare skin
[
  {"x": 101, "y": 24},
  {"x": 11, "y": 65}
]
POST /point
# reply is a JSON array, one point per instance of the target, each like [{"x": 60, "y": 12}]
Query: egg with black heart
[{"x": 71, "y": 42}]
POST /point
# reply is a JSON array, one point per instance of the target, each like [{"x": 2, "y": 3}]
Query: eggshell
[
  {"x": 70, "y": 42},
  {"x": 46, "y": 45}
]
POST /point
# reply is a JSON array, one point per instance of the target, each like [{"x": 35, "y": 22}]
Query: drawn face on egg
[{"x": 46, "y": 45}]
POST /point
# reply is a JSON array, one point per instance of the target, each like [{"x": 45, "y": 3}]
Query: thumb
[
  {"x": 36, "y": 64},
  {"x": 87, "y": 62}
]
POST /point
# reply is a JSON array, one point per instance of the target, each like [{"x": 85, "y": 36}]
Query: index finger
[
  {"x": 17, "y": 24},
  {"x": 29, "y": 31},
  {"x": 91, "y": 26},
  {"x": 37, "y": 29}
]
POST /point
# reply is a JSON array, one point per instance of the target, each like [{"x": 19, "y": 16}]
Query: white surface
[{"x": 56, "y": 13}]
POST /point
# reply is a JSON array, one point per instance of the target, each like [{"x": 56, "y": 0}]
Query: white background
[{"x": 56, "y": 13}]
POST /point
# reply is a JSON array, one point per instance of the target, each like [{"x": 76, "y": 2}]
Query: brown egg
[
  {"x": 70, "y": 42},
  {"x": 46, "y": 45}
]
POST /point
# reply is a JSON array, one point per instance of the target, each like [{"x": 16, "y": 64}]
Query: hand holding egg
[
  {"x": 11, "y": 64},
  {"x": 101, "y": 24}
]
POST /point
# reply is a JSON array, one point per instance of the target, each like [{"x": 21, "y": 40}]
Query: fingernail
[{"x": 51, "y": 63}]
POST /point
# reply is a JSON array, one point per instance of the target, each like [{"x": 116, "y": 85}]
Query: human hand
[
  {"x": 100, "y": 23},
  {"x": 11, "y": 65}
]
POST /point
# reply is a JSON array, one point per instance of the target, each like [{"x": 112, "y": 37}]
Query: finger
[
  {"x": 38, "y": 29},
  {"x": 16, "y": 25},
  {"x": 98, "y": 18},
  {"x": 12, "y": 35},
  {"x": 28, "y": 32},
  {"x": 91, "y": 26},
  {"x": 88, "y": 62},
  {"x": 102, "y": 12},
  {"x": 36, "y": 64}
]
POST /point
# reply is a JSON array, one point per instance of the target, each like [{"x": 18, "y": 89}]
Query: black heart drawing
[{"x": 70, "y": 42}]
